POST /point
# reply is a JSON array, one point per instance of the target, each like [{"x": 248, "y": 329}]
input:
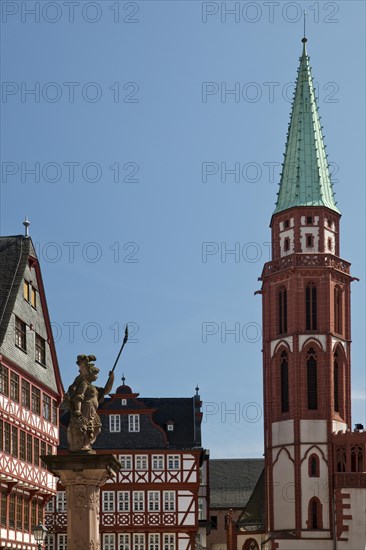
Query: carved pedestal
[{"x": 83, "y": 475}]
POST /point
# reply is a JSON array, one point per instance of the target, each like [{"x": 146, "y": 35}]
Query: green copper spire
[{"x": 305, "y": 178}]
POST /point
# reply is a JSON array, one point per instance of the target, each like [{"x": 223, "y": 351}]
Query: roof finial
[
  {"x": 123, "y": 379},
  {"x": 26, "y": 224},
  {"x": 197, "y": 389},
  {"x": 304, "y": 40}
]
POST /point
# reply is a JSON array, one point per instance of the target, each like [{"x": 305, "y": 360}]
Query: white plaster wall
[
  {"x": 288, "y": 340},
  {"x": 219, "y": 546},
  {"x": 321, "y": 339},
  {"x": 288, "y": 233},
  {"x": 329, "y": 235},
  {"x": 339, "y": 426},
  {"x": 309, "y": 229},
  {"x": 339, "y": 341},
  {"x": 313, "y": 431},
  {"x": 283, "y": 433},
  {"x": 314, "y": 486},
  {"x": 283, "y": 492},
  {"x": 357, "y": 526}
]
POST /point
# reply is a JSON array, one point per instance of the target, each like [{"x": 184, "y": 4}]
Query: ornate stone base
[{"x": 82, "y": 475}]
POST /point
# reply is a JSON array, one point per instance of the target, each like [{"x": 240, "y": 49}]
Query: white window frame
[
  {"x": 124, "y": 541},
  {"x": 169, "y": 501},
  {"x": 123, "y": 402},
  {"x": 109, "y": 541},
  {"x": 154, "y": 541},
  {"x": 126, "y": 462},
  {"x": 138, "y": 541},
  {"x": 49, "y": 542},
  {"x": 133, "y": 422},
  {"x": 141, "y": 462},
  {"x": 153, "y": 499},
  {"x": 50, "y": 506},
  {"x": 138, "y": 498},
  {"x": 173, "y": 462},
  {"x": 62, "y": 541},
  {"x": 158, "y": 462},
  {"x": 114, "y": 423},
  {"x": 169, "y": 541},
  {"x": 61, "y": 501},
  {"x": 108, "y": 498},
  {"x": 124, "y": 501}
]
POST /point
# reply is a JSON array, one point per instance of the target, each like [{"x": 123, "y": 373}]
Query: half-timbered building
[
  {"x": 30, "y": 390},
  {"x": 159, "y": 500}
]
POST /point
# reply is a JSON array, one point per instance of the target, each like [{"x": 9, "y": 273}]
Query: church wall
[
  {"x": 357, "y": 523},
  {"x": 283, "y": 490}
]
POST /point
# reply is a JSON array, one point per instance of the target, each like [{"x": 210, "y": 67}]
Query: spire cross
[
  {"x": 123, "y": 379},
  {"x": 304, "y": 38}
]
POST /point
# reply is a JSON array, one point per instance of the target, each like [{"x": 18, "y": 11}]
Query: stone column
[{"x": 83, "y": 475}]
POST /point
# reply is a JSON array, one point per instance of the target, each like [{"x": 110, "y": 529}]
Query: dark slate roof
[
  {"x": 232, "y": 481},
  {"x": 253, "y": 516},
  {"x": 155, "y": 413},
  {"x": 14, "y": 252}
]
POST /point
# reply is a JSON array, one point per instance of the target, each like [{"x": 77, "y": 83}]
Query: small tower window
[
  {"x": 314, "y": 466},
  {"x": 311, "y": 307},
  {"x": 315, "y": 514},
  {"x": 286, "y": 224},
  {"x": 282, "y": 310},
  {"x": 286, "y": 244},
  {"x": 330, "y": 244},
  {"x": 309, "y": 220},
  {"x": 284, "y": 383},
  {"x": 312, "y": 380},
  {"x": 309, "y": 240}
]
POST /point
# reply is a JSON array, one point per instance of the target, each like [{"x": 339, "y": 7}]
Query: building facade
[
  {"x": 30, "y": 392},
  {"x": 315, "y": 466},
  {"x": 159, "y": 501}
]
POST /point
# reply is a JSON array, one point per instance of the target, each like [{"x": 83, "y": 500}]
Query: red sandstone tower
[{"x": 306, "y": 340}]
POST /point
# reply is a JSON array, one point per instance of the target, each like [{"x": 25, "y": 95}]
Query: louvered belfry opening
[
  {"x": 312, "y": 380},
  {"x": 284, "y": 383}
]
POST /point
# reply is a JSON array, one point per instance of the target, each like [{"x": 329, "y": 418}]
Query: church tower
[{"x": 306, "y": 336}]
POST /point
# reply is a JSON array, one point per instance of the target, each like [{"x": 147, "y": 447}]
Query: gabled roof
[
  {"x": 15, "y": 253},
  {"x": 232, "y": 481},
  {"x": 305, "y": 178},
  {"x": 253, "y": 516},
  {"x": 155, "y": 413}
]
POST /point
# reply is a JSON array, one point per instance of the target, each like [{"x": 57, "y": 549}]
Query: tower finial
[
  {"x": 197, "y": 389},
  {"x": 123, "y": 379},
  {"x": 26, "y": 224},
  {"x": 304, "y": 39}
]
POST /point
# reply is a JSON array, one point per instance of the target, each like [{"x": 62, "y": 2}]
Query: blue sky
[{"x": 129, "y": 131}]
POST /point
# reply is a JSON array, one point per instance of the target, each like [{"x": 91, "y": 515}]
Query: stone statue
[{"x": 82, "y": 399}]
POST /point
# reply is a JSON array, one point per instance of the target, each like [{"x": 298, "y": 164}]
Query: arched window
[
  {"x": 311, "y": 307},
  {"x": 312, "y": 380},
  {"x": 313, "y": 466},
  {"x": 356, "y": 459},
  {"x": 250, "y": 544},
  {"x": 338, "y": 310},
  {"x": 284, "y": 382},
  {"x": 336, "y": 381},
  {"x": 341, "y": 459},
  {"x": 315, "y": 519},
  {"x": 282, "y": 310}
]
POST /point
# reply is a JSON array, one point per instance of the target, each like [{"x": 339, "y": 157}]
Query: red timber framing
[{"x": 28, "y": 411}]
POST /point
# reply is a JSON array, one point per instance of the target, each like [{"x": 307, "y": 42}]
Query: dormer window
[
  {"x": 170, "y": 426},
  {"x": 133, "y": 423},
  {"x": 123, "y": 402}
]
